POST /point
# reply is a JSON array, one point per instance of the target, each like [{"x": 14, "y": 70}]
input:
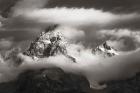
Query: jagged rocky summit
[
  {"x": 105, "y": 50},
  {"x": 49, "y": 43}
]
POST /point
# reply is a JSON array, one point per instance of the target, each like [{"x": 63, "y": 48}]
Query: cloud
[
  {"x": 66, "y": 16},
  {"x": 123, "y": 39},
  {"x": 70, "y": 16},
  {"x": 26, "y": 5},
  {"x": 123, "y": 45},
  {"x": 5, "y": 44},
  {"x": 75, "y": 16},
  {"x": 88, "y": 21},
  {"x": 119, "y": 6},
  {"x": 94, "y": 68},
  {"x": 71, "y": 34},
  {"x": 123, "y": 33}
]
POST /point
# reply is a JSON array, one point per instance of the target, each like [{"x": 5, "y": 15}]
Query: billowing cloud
[
  {"x": 75, "y": 16},
  {"x": 122, "y": 33},
  {"x": 123, "y": 45},
  {"x": 94, "y": 68},
  {"x": 71, "y": 16},
  {"x": 124, "y": 39},
  {"x": 88, "y": 21},
  {"x": 26, "y": 5},
  {"x": 119, "y": 6},
  {"x": 70, "y": 33}
]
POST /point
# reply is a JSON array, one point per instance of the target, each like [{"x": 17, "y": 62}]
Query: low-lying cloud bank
[{"x": 95, "y": 68}]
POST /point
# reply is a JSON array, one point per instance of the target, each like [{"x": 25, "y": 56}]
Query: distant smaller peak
[{"x": 105, "y": 49}]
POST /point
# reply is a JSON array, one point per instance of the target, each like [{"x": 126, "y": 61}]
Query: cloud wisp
[{"x": 123, "y": 39}]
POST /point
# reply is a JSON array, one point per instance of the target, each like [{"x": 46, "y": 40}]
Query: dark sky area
[{"x": 118, "y": 6}]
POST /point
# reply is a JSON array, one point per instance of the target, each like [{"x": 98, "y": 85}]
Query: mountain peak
[
  {"x": 105, "y": 49},
  {"x": 49, "y": 43}
]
